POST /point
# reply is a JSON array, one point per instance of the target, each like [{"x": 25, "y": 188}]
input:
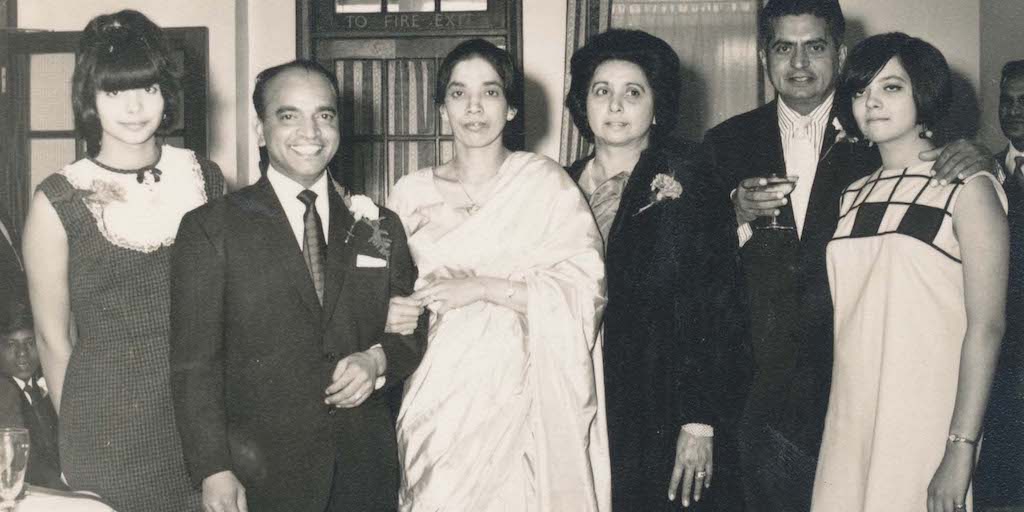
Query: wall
[
  {"x": 217, "y": 15},
  {"x": 270, "y": 27},
  {"x": 951, "y": 25},
  {"x": 1000, "y": 23},
  {"x": 544, "y": 70}
]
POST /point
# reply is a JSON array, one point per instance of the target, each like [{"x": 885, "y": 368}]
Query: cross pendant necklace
[{"x": 473, "y": 205}]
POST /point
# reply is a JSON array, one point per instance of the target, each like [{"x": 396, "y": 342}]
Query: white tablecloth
[{"x": 41, "y": 499}]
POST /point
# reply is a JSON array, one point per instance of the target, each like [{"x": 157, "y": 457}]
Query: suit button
[
  {"x": 330, "y": 356},
  {"x": 331, "y": 410}
]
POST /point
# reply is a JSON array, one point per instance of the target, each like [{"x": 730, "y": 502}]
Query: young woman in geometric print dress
[
  {"x": 97, "y": 245},
  {"x": 917, "y": 270}
]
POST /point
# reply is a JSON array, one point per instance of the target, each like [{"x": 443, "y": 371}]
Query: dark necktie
[
  {"x": 314, "y": 246},
  {"x": 34, "y": 395},
  {"x": 1018, "y": 165}
]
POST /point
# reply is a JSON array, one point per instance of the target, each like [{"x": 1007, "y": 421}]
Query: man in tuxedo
[
  {"x": 797, "y": 138},
  {"x": 24, "y": 398},
  {"x": 1001, "y": 464},
  {"x": 12, "y": 273},
  {"x": 279, "y": 299}
]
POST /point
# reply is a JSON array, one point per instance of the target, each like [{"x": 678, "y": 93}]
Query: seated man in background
[
  {"x": 24, "y": 401},
  {"x": 1001, "y": 464}
]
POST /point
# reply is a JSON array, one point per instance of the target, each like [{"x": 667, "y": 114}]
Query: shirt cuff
[
  {"x": 1000, "y": 172},
  {"x": 699, "y": 430},
  {"x": 382, "y": 379},
  {"x": 744, "y": 232}
]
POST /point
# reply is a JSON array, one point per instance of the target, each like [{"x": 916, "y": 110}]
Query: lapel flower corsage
[
  {"x": 841, "y": 136},
  {"x": 104, "y": 192},
  {"x": 365, "y": 211},
  {"x": 663, "y": 187}
]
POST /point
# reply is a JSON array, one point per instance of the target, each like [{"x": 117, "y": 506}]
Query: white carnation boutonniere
[
  {"x": 663, "y": 188},
  {"x": 365, "y": 211},
  {"x": 841, "y": 136}
]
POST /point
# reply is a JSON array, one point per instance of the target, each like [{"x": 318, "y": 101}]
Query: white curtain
[{"x": 717, "y": 44}]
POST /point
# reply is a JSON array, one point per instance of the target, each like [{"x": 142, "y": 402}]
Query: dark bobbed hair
[
  {"x": 655, "y": 57},
  {"x": 499, "y": 59},
  {"x": 117, "y": 52},
  {"x": 1011, "y": 70},
  {"x": 827, "y": 10},
  {"x": 15, "y": 316},
  {"x": 930, "y": 77},
  {"x": 259, "y": 92}
]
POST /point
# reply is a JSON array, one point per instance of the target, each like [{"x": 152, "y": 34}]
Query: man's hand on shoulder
[
  {"x": 355, "y": 378},
  {"x": 222, "y": 492},
  {"x": 959, "y": 159}
]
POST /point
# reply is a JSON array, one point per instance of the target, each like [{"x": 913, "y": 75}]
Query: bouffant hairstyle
[
  {"x": 500, "y": 60},
  {"x": 655, "y": 57},
  {"x": 117, "y": 52},
  {"x": 930, "y": 77},
  {"x": 827, "y": 10}
]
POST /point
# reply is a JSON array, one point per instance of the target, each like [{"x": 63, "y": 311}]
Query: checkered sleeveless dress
[
  {"x": 117, "y": 431},
  {"x": 897, "y": 286}
]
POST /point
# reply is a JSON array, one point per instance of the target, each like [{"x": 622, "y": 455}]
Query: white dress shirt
[
  {"x": 1011, "y": 159},
  {"x": 40, "y": 383},
  {"x": 802, "y": 139},
  {"x": 801, "y": 144},
  {"x": 287, "y": 192}
]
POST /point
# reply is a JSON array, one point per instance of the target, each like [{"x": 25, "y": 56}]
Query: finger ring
[
  {"x": 960, "y": 507},
  {"x": 702, "y": 474}
]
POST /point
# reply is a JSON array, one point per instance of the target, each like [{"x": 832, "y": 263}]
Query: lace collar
[{"x": 140, "y": 209}]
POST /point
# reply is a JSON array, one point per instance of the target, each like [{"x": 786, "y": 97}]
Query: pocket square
[{"x": 364, "y": 261}]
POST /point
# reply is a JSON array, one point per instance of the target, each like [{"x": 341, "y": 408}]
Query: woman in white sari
[{"x": 506, "y": 410}]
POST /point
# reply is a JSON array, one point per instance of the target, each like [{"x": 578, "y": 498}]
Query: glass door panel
[
  {"x": 361, "y": 83},
  {"x": 50, "y": 92},
  {"x": 407, "y": 157},
  {"x": 47, "y": 156},
  {"x": 411, "y": 97}
]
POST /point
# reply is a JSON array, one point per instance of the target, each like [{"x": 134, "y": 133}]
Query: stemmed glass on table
[{"x": 14, "y": 446}]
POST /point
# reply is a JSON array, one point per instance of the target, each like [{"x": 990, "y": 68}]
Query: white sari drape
[{"x": 506, "y": 411}]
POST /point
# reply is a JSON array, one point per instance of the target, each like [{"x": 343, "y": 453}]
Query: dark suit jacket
[
  {"x": 674, "y": 345},
  {"x": 1001, "y": 464},
  {"x": 41, "y": 421},
  {"x": 791, "y": 321},
  {"x": 12, "y": 277},
  {"x": 252, "y": 351}
]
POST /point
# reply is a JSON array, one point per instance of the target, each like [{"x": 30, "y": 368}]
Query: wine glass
[
  {"x": 14, "y": 445},
  {"x": 775, "y": 178}
]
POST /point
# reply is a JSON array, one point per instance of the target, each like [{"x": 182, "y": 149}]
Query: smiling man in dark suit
[
  {"x": 1001, "y": 464},
  {"x": 795, "y": 136},
  {"x": 24, "y": 398},
  {"x": 279, "y": 298}
]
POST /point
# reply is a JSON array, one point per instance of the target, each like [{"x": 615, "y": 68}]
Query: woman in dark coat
[{"x": 675, "y": 363}]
